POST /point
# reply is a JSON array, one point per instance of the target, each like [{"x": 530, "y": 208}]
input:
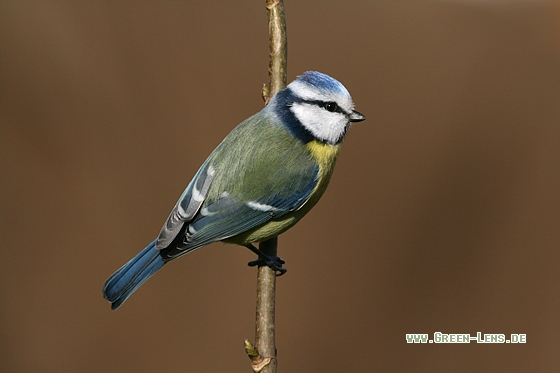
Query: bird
[{"x": 265, "y": 175}]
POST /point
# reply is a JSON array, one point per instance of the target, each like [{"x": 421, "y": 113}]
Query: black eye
[{"x": 331, "y": 106}]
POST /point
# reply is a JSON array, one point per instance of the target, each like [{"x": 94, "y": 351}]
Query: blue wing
[
  {"x": 189, "y": 226},
  {"x": 242, "y": 185}
]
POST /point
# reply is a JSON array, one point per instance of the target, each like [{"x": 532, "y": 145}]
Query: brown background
[{"x": 443, "y": 214}]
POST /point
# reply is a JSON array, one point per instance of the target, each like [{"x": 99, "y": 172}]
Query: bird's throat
[{"x": 324, "y": 154}]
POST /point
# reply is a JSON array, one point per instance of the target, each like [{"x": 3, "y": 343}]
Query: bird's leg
[{"x": 273, "y": 262}]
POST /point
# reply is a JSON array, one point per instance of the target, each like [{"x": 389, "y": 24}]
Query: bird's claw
[{"x": 272, "y": 262}]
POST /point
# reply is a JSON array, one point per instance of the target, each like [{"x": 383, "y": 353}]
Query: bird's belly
[{"x": 264, "y": 232}]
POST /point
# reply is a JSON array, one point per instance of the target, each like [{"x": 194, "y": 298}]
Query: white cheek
[{"x": 322, "y": 124}]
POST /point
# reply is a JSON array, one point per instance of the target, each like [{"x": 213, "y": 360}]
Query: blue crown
[{"x": 322, "y": 81}]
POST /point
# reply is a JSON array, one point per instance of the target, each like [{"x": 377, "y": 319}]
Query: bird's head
[{"x": 316, "y": 107}]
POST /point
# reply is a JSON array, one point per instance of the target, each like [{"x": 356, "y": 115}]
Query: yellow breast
[{"x": 325, "y": 155}]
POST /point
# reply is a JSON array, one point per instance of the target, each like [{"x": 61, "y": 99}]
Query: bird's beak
[{"x": 356, "y": 117}]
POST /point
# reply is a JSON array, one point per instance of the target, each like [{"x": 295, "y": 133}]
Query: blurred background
[{"x": 443, "y": 214}]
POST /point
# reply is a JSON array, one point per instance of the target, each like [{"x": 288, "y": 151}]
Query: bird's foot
[{"x": 272, "y": 262}]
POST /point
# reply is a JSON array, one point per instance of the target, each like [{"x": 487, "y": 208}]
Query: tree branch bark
[
  {"x": 266, "y": 303},
  {"x": 263, "y": 354},
  {"x": 278, "y": 43}
]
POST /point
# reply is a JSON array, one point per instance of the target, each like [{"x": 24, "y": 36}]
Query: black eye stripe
[
  {"x": 323, "y": 104},
  {"x": 327, "y": 105}
]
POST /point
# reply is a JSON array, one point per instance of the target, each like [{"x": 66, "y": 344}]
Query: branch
[
  {"x": 266, "y": 302},
  {"x": 263, "y": 355},
  {"x": 278, "y": 42}
]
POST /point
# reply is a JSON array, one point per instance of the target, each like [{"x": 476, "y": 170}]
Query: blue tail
[{"x": 129, "y": 277}]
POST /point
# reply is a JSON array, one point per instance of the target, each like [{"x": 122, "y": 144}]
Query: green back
[{"x": 258, "y": 159}]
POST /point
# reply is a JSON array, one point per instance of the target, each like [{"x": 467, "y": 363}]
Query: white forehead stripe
[
  {"x": 306, "y": 92},
  {"x": 310, "y": 93}
]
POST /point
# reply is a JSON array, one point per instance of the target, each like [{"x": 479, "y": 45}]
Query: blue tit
[{"x": 261, "y": 180}]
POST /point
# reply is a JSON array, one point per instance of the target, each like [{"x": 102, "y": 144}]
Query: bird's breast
[{"x": 325, "y": 155}]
